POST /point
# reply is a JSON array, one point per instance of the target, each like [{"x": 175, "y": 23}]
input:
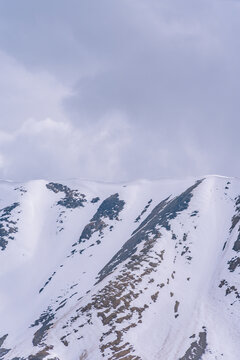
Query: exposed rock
[
  {"x": 7, "y": 226},
  {"x": 197, "y": 348},
  {"x": 45, "y": 320},
  {"x": 95, "y": 200},
  {"x": 109, "y": 209},
  {"x": 144, "y": 210},
  {"x": 72, "y": 199},
  {"x": 234, "y": 263}
]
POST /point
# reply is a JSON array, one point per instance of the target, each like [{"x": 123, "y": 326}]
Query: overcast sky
[{"x": 116, "y": 90}]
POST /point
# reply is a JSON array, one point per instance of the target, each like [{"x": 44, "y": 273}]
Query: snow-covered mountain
[{"x": 138, "y": 271}]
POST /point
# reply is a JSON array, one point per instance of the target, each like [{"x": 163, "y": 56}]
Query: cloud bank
[{"x": 119, "y": 90}]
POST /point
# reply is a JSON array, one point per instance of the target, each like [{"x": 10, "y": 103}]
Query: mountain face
[{"x": 137, "y": 271}]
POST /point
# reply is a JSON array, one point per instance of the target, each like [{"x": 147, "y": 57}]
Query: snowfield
[{"x": 147, "y": 270}]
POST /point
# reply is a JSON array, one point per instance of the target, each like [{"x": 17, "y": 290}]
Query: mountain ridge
[{"x": 89, "y": 268}]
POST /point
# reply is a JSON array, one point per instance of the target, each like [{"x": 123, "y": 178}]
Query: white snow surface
[{"x": 175, "y": 296}]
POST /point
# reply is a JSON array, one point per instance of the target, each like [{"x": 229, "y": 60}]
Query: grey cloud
[{"x": 171, "y": 69}]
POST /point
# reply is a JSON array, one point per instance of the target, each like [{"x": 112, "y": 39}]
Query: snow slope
[{"x": 138, "y": 271}]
